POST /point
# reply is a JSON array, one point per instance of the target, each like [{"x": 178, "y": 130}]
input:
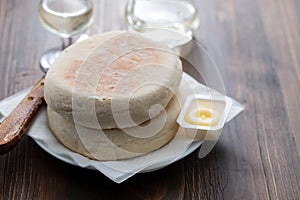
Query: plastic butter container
[{"x": 203, "y": 116}]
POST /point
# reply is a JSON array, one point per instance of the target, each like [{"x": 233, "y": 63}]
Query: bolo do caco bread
[{"x": 113, "y": 96}]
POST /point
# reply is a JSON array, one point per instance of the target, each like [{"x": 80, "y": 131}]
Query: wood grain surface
[{"x": 255, "y": 43}]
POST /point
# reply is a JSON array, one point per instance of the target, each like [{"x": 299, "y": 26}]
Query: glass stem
[{"x": 66, "y": 42}]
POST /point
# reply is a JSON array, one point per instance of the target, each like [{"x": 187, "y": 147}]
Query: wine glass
[{"x": 66, "y": 18}]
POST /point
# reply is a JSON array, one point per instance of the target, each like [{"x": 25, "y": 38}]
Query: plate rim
[{"x": 192, "y": 147}]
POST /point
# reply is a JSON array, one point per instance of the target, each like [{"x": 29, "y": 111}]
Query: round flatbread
[
  {"x": 115, "y": 144},
  {"x": 113, "y": 80}
]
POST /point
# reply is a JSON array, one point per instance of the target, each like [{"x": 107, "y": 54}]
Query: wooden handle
[{"x": 18, "y": 121}]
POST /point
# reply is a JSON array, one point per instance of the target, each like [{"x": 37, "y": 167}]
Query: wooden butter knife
[{"x": 13, "y": 127}]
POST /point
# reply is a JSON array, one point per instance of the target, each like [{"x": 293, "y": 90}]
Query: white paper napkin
[{"x": 119, "y": 171}]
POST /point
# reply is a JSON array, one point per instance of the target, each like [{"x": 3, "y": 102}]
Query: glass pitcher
[{"x": 177, "y": 15}]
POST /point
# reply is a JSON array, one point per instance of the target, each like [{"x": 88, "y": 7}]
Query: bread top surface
[{"x": 115, "y": 64}]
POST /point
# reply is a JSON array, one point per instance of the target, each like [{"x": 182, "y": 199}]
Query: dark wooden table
[{"x": 256, "y": 45}]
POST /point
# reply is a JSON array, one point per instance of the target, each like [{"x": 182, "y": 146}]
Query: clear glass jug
[{"x": 177, "y": 15}]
